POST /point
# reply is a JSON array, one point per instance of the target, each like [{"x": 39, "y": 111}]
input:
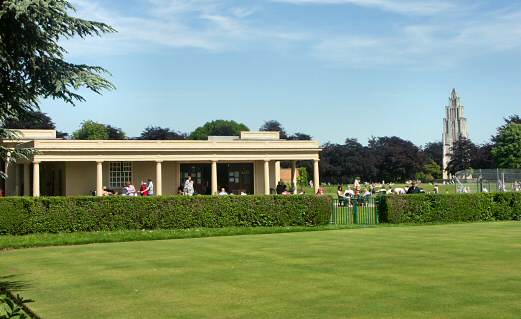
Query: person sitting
[
  {"x": 129, "y": 190},
  {"x": 180, "y": 190},
  {"x": 413, "y": 189},
  {"x": 280, "y": 188},
  {"x": 320, "y": 191},
  {"x": 223, "y": 192},
  {"x": 342, "y": 198},
  {"x": 349, "y": 192},
  {"x": 107, "y": 192}
]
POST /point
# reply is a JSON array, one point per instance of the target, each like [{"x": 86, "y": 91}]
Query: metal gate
[{"x": 356, "y": 210}]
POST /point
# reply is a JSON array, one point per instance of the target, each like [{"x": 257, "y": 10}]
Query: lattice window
[{"x": 120, "y": 174}]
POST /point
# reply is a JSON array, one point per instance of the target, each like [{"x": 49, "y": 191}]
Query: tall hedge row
[
  {"x": 25, "y": 215},
  {"x": 446, "y": 208}
]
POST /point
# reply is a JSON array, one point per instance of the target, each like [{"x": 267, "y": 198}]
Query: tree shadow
[{"x": 9, "y": 282}]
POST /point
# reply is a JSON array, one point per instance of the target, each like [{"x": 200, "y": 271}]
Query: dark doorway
[
  {"x": 201, "y": 175},
  {"x": 52, "y": 181},
  {"x": 235, "y": 177}
]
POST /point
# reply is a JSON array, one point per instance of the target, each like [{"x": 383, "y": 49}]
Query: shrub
[
  {"x": 25, "y": 215},
  {"x": 445, "y": 208}
]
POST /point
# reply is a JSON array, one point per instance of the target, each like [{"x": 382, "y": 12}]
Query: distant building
[{"x": 454, "y": 127}]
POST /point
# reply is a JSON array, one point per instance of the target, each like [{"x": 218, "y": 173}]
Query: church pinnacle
[{"x": 454, "y": 127}]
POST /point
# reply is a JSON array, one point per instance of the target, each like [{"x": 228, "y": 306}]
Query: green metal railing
[{"x": 356, "y": 210}]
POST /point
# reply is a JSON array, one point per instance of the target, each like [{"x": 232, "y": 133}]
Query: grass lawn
[{"x": 438, "y": 271}]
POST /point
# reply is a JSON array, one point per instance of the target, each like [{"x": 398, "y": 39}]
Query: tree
[
  {"x": 434, "y": 152},
  {"x": 160, "y": 133},
  {"x": 30, "y": 120},
  {"x": 507, "y": 149},
  {"x": 462, "y": 153},
  {"x": 274, "y": 126},
  {"x": 218, "y": 128},
  {"x": 483, "y": 157},
  {"x": 397, "y": 160},
  {"x": 32, "y": 64},
  {"x": 302, "y": 178},
  {"x": 343, "y": 163},
  {"x": 33, "y": 120},
  {"x": 430, "y": 172},
  {"x": 91, "y": 130},
  {"x": 299, "y": 137},
  {"x": 115, "y": 133}
]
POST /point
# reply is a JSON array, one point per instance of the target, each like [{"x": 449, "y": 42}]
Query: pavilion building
[{"x": 249, "y": 163}]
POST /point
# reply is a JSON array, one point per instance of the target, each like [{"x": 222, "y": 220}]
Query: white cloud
[
  {"x": 437, "y": 44},
  {"x": 445, "y": 38},
  {"x": 417, "y": 7},
  {"x": 203, "y": 24}
]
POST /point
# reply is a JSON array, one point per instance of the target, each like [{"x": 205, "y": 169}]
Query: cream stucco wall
[{"x": 80, "y": 178}]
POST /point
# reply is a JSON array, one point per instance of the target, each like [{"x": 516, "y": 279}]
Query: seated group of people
[
  {"x": 146, "y": 188},
  {"x": 345, "y": 196}
]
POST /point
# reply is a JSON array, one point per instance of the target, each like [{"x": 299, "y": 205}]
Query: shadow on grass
[{"x": 14, "y": 305}]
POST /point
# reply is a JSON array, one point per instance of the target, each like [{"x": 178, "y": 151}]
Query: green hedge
[
  {"x": 446, "y": 208},
  {"x": 25, "y": 215}
]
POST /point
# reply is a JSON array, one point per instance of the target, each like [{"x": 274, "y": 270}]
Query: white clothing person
[{"x": 189, "y": 186}]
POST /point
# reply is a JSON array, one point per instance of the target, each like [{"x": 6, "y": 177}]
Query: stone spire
[{"x": 454, "y": 127}]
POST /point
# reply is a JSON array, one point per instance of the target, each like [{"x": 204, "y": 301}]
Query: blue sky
[{"x": 329, "y": 68}]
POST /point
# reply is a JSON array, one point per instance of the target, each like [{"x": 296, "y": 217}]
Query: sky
[{"x": 333, "y": 69}]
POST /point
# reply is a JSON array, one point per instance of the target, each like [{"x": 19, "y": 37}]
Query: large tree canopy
[
  {"x": 218, "y": 128},
  {"x": 507, "y": 151},
  {"x": 32, "y": 63},
  {"x": 396, "y": 159}
]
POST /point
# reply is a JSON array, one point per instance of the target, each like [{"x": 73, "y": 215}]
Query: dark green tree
[
  {"x": 274, "y": 126},
  {"x": 299, "y": 137},
  {"x": 160, "y": 133},
  {"x": 434, "y": 152},
  {"x": 218, "y": 128},
  {"x": 33, "y": 120},
  {"x": 483, "y": 157},
  {"x": 115, "y": 133},
  {"x": 462, "y": 153},
  {"x": 32, "y": 61},
  {"x": 396, "y": 160},
  {"x": 507, "y": 148}
]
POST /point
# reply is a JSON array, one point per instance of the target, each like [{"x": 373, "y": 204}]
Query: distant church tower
[{"x": 454, "y": 127}]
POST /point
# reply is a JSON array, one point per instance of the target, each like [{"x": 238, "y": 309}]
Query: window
[{"x": 120, "y": 174}]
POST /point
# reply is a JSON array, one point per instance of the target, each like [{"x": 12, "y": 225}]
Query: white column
[
  {"x": 316, "y": 178},
  {"x": 159, "y": 179},
  {"x": 294, "y": 176},
  {"x": 99, "y": 178},
  {"x": 266, "y": 177},
  {"x": 214, "y": 178},
  {"x": 27, "y": 179},
  {"x": 277, "y": 172},
  {"x": 36, "y": 179}
]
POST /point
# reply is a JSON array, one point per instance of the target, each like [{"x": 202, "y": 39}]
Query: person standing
[
  {"x": 189, "y": 186},
  {"x": 150, "y": 187}
]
